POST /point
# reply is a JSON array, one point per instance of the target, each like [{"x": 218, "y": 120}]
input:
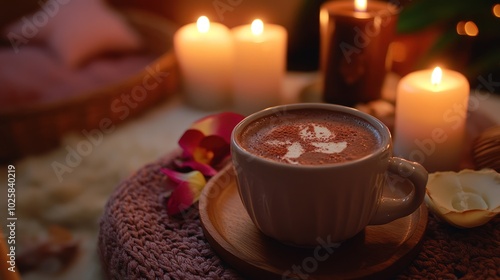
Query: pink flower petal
[
  {"x": 186, "y": 191},
  {"x": 205, "y": 169},
  {"x": 190, "y": 140},
  {"x": 194, "y": 177},
  {"x": 174, "y": 176},
  {"x": 221, "y": 124},
  {"x": 180, "y": 199},
  {"x": 216, "y": 148}
]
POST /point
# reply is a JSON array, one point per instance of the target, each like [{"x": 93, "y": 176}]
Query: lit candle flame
[
  {"x": 436, "y": 76},
  {"x": 203, "y": 24},
  {"x": 360, "y": 5},
  {"x": 257, "y": 27}
]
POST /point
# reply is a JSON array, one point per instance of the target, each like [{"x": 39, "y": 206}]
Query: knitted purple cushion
[{"x": 139, "y": 240}]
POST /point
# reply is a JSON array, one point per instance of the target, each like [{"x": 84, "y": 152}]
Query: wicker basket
[{"x": 37, "y": 129}]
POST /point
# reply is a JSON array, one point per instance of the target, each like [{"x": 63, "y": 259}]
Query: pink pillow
[{"x": 76, "y": 30}]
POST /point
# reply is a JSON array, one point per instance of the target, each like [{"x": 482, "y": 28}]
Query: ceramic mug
[{"x": 300, "y": 204}]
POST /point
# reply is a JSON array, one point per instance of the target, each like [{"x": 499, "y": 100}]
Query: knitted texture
[
  {"x": 452, "y": 253},
  {"x": 139, "y": 240}
]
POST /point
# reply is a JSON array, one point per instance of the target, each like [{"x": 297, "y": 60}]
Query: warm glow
[
  {"x": 399, "y": 51},
  {"x": 437, "y": 74},
  {"x": 203, "y": 24},
  {"x": 471, "y": 28},
  {"x": 468, "y": 28},
  {"x": 323, "y": 17},
  {"x": 257, "y": 27},
  {"x": 360, "y": 5},
  {"x": 461, "y": 28},
  {"x": 496, "y": 10}
]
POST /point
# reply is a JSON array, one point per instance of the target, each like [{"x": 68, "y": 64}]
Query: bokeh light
[
  {"x": 468, "y": 28},
  {"x": 496, "y": 10}
]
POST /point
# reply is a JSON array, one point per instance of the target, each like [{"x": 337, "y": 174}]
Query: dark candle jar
[{"x": 354, "y": 48}]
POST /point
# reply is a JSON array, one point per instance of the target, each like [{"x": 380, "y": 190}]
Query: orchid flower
[
  {"x": 206, "y": 143},
  {"x": 205, "y": 146}
]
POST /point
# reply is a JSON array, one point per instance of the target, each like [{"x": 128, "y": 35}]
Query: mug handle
[{"x": 391, "y": 208}]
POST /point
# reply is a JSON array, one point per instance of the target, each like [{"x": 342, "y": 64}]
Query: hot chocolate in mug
[{"x": 315, "y": 171}]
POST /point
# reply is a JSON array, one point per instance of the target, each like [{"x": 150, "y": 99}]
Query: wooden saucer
[{"x": 377, "y": 252}]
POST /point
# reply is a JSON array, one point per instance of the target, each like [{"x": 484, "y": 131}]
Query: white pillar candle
[
  {"x": 431, "y": 113},
  {"x": 260, "y": 65},
  {"x": 204, "y": 51}
]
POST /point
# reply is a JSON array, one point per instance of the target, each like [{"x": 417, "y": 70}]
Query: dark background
[{"x": 426, "y": 29}]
